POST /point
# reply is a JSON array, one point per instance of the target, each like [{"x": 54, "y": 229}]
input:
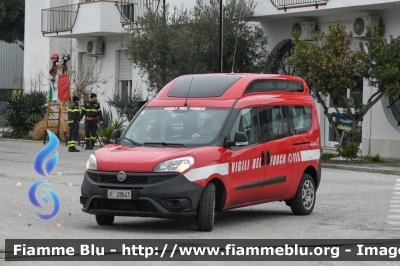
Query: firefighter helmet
[
  {"x": 66, "y": 57},
  {"x": 54, "y": 57}
]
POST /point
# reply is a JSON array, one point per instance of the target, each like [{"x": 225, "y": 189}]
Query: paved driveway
[{"x": 349, "y": 205}]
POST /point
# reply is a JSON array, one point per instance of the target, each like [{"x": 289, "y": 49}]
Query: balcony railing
[
  {"x": 286, "y": 4},
  {"x": 58, "y": 19}
]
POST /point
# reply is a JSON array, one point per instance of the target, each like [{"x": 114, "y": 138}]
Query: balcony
[
  {"x": 93, "y": 17},
  {"x": 287, "y": 4}
]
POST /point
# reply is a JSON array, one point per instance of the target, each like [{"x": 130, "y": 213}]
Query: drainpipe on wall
[{"x": 370, "y": 128}]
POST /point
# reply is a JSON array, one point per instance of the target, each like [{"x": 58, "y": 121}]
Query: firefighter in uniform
[
  {"x": 92, "y": 112},
  {"x": 73, "y": 122}
]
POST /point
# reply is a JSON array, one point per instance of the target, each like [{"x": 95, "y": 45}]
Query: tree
[
  {"x": 331, "y": 66},
  {"x": 382, "y": 64},
  {"x": 12, "y": 20},
  {"x": 85, "y": 76},
  {"x": 127, "y": 106},
  {"x": 188, "y": 43}
]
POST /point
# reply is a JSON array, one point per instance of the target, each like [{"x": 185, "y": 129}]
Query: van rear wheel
[
  {"x": 304, "y": 201},
  {"x": 104, "y": 219},
  {"x": 206, "y": 210}
]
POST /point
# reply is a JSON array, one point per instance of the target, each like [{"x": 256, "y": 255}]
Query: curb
[
  {"x": 24, "y": 140},
  {"x": 362, "y": 169}
]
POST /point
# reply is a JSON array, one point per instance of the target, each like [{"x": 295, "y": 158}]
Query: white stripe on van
[
  {"x": 310, "y": 155},
  {"x": 206, "y": 171}
]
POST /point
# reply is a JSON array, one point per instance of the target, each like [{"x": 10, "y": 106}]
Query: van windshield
[{"x": 175, "y": 126}]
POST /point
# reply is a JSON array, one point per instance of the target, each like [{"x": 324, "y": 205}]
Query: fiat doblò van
[{"x": 210, "y": 143}]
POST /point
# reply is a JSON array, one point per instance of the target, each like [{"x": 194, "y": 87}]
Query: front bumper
[{"x": 153, "y": 195}]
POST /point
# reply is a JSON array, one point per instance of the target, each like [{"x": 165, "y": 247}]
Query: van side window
[
  {"x": 277, "y": 123},
  {"x": 247, "y": 122},
  {"x": 274, "y": 85},
  {"x": 302, "y": 118}
]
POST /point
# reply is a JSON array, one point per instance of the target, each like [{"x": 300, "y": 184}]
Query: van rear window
[
  {"x": 201, "y": 86},
  {"x": 274, "y": 86}
]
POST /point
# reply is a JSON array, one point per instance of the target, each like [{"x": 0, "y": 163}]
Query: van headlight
[
  {"x": 91, "y": 163},
  {"x": 175, "y": 165}
]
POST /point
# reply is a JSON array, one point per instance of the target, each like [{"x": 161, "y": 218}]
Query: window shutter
[{"x": 124, "y": 68}]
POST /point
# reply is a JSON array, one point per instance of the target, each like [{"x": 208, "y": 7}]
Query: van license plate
[{"x": 119, "y": 194}]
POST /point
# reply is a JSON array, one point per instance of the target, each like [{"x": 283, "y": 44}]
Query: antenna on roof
[
  {"x": 188, "y": 92},
  {"x": 237, "y": 37}
]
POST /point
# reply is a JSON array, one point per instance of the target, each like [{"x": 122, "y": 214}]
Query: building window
[
  {"x": 125, "y": 76},
  {"x": 395, "y": 107},
  {"x": 128, "y": 12},
  {"x": 281, "y": 54},
  {"x": 395, "y": 103},
  {"x": 125, "y": 90}
]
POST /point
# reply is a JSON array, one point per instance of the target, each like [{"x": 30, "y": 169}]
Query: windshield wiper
[
  {"x": 133, "y": 142},
  {"x": 164, "y": 144}
]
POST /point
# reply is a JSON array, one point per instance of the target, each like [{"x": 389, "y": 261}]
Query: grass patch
[
  {"x": 3, "y": 121},
  {"x": 28, "y": 137},
  {"x": 372, "y": 159},
  {"x": 327, "y": 155}
]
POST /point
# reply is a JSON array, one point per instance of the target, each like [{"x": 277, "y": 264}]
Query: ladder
[
  {"x": 56, "y": 112},
  {"x": 60, "y": 108}
]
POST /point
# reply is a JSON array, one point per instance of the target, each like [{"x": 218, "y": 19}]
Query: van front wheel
[
  {"x": 206, "y": 210},
  {"x": 304, "y": 201},
  {"x": 104, "y": 219}
]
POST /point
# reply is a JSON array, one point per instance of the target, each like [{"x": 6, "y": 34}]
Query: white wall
[
  {"x": 109, "y": 69},
  {"x": 37, "y": 48},
  {"x": 266, "y": 8},
  {"x": 380, "y": 133}
]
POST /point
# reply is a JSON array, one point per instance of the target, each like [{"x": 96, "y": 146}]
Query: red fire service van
[{"x": 208, "y": 143}]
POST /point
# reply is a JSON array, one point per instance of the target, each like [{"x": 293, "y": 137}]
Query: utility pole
[
  {"x": 221, "y": 36},
  {"x": 163, "y": 70},
  {"x": 164, "y": 10}
]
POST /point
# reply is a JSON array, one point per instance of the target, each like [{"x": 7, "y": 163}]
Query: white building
[
  {"x": 69, "y": 25},
  {"x": 11, "y": 70},
  {"x": 380, "y": 130}
]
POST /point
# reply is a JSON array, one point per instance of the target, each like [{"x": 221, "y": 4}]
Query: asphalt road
[{"x": 349, "y": 205}]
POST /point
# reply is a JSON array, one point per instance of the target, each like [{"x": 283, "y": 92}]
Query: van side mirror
[
  {"x": 240, "y": 139},
  {"x": 115, "y": 135}
]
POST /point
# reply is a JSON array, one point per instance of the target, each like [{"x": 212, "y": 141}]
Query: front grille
[
  {"x": 122, "y": 205},
  {"x": 131, "y": 178}
]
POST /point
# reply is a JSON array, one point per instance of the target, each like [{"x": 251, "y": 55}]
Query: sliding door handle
[{"x": 262, "y": 158}]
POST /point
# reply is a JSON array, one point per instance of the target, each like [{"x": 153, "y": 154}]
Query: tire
[
  {"x": 206, "y": 210},
  {"x": 104, "y": 220},
  {"x": 304, "y": 201}
]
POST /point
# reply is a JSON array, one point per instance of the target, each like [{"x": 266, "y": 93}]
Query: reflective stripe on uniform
[
  {"x": 91, "y": 110},
  {"x": 73, "y": 110}
]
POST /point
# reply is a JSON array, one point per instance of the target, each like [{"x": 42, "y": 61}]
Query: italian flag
[
  {"x": 59, "y": 89},
  {"x": 53, "y": 93}
]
